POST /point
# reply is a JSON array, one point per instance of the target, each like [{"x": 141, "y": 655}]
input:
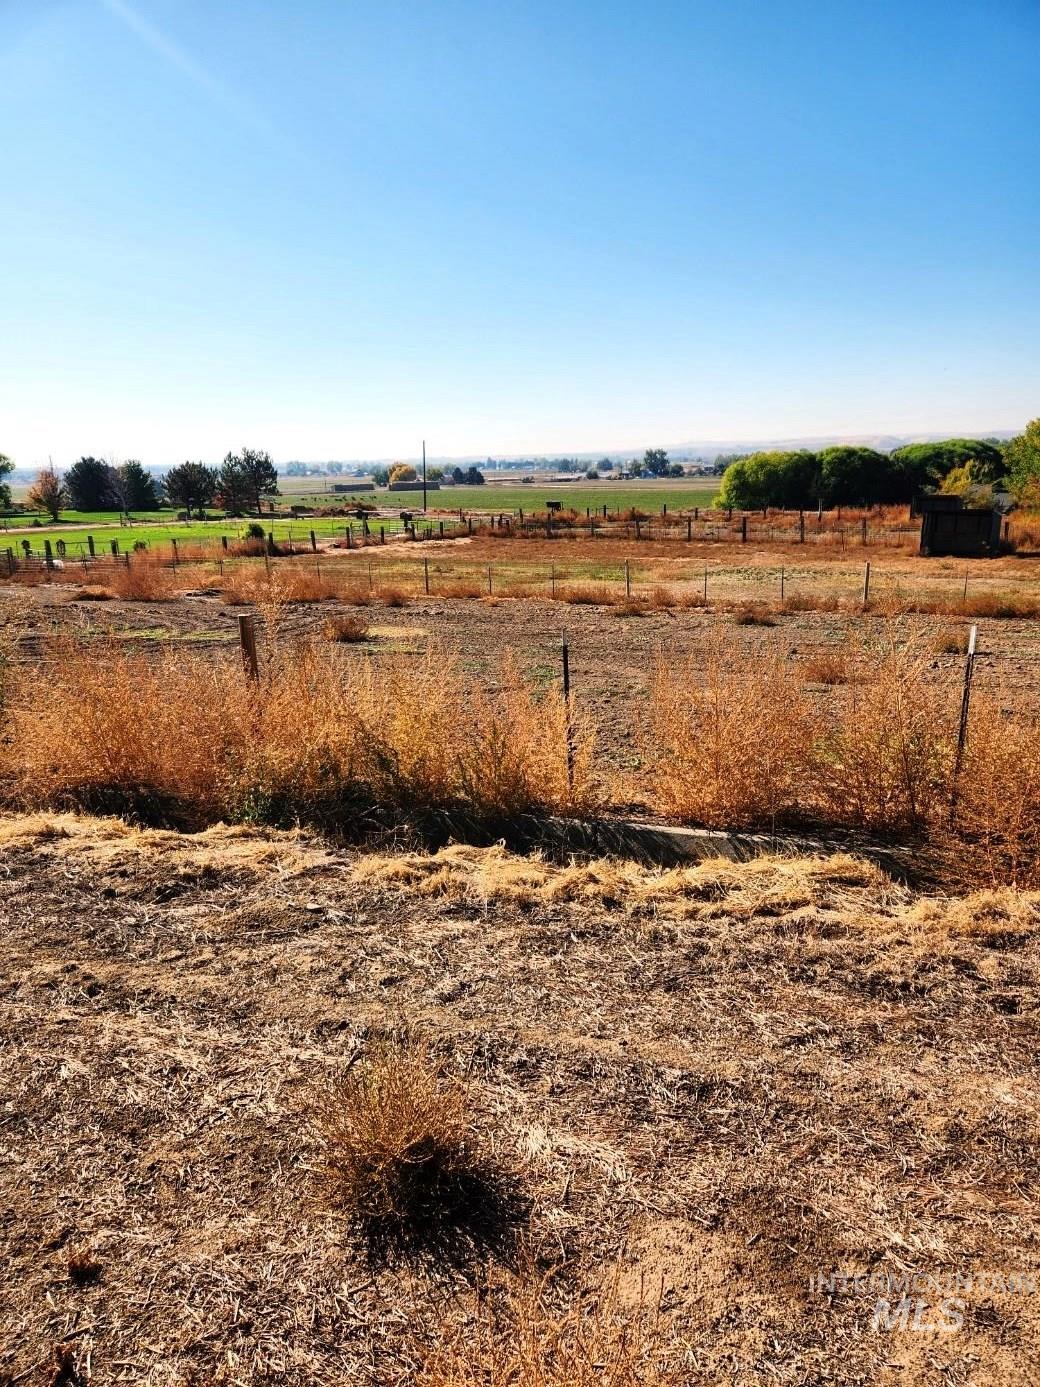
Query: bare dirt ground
[{"x": 721, "y": 1083}]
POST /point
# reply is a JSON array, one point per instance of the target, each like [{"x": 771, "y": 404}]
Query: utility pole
[{"x": 424, "y": 476}]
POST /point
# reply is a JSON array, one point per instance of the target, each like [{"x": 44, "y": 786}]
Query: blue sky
[{"x": 331, "y": 229}]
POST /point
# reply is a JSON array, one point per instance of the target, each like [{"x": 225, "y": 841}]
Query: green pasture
[
  {"x": 157, "y": 534},
  {"x": 648, "y": 496}
]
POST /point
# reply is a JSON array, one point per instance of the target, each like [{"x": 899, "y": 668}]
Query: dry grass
[
  {"x": 951, "y": 640},
  {"x": 743, "y": 746},
  {"x": 404, "y": 1157},
  {"x": 586, "y": 594},
  {"x": 726, "y": 750},
  {"x": 632, "y": 606},
  {"x": 142, "y": 580},
  {"x": 753, "y": 614},
  {"x": 532, "y": 1342},
  {"x": 816, "y": 1071},
  {"x": 185, "y": 739},
  {"x": 828, "y": 666},
  {"x": 348, "y": 630}
]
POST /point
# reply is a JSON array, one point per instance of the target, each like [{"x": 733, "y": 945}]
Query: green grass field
[
  {"x": 161, "y": 527},
  {"x": 157, "y": 534},
  {"x": 649, "y": 496}
]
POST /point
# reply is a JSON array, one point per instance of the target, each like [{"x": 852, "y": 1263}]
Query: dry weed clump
[
  {"x": 253, "y": 583},
  {"x": 632, "y": 606},
  {"x": 92, "y": 593},
  {"x": 827, "y": 666},
  {"x": 530, "y": 1342},
  {"x": 405, "y": 1158},
  {"x": 142, "y": 580},
  {"x": 348, "y": 630},
  {"x": 994, "y": 826},
  {"x": 183, "y": 739},
  {"x": 753, "y": 614},
  {"x": 951, "y": 640},
  {"x": 391, "y": 596},
  {"x": 586, "y": 594},
  {"x": 83, "y": 1266},
  {"x": 746, "y": 746},
  {"x": 728, "y": 750}
]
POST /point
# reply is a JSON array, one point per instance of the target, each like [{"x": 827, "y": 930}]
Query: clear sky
[{"x": 333, "y": 227}]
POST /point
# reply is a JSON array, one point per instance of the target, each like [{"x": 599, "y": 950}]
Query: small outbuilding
[{"x": 949, "y": 528}]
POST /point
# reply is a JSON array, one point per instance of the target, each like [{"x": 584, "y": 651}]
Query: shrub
[
  {"x": 347, "y": 629},
  {"x": 404, "y": 1157},
  {"x": 586, "y": 594},
  {"x": 143, "y": 580},
  {"x": 951, "y": 640},
  {"x": 753, "y": 614},
  {"x": 727, "y": 747},
  {"x": 827, "y": 666}
]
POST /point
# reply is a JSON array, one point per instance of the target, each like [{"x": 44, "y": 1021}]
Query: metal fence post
[
  {"x": 565, "y": 652},
  {"x": 962, "y": 729}
]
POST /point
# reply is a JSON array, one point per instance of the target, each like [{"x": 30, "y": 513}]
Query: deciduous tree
[{"x": 47, "y": 493}]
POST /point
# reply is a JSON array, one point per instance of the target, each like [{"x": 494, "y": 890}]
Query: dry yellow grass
[
  {"x": 729, "y": 749},
  {"x": 345, "y": 629},
  {"x": 183, "y": 738},
  {"x": 404, "y": 1157},
  {"x": 717, "y": 1083},
  {"x": 532, "y": 1342}
]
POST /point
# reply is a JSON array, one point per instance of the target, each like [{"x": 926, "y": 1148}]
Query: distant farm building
[{"x": 951, "y": 529}]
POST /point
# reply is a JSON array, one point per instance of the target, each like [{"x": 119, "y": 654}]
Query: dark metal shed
[{"x": 948, "y": 527}]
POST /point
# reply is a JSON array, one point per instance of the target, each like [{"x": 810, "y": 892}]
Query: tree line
[
  {"x": 855, "y": 476},
  {"x": 241, "y": 482}
]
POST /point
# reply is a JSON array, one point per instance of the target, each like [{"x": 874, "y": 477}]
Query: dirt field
[
  {"x": 714, "y": 1085},
  {"x": 611, "y": 653}
]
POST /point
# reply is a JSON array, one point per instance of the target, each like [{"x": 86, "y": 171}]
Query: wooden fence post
[
  {"x": 743, "y": 529},
  {"x": 866, "y": 583},
  {"x": 426, "y": 576},
  {"x": 48, "y": 556},
  {"x": 314, "y": 543},
  {"x": 173, "y": 542},
  {"x": 489, "y": 581},
  {"x": 801, "y": 527},
  {"x": 247, "y": 640},
  {"x": 90, "y": 545}
]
